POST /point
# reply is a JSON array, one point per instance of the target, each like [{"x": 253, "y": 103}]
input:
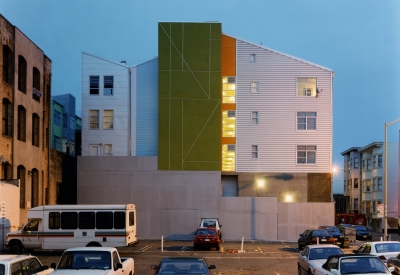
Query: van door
[
  {"x": 131, "y": 227},
  {"x": 31, "y": 234}
]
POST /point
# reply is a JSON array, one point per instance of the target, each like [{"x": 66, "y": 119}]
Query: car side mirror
[
  {"x": 153, "y": 266},
  {"x": 335, "y": 271},
  {"x": 119, "y": 265},
  {"x": 212, "y": 267}
]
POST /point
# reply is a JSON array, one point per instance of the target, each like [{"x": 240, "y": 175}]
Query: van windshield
[{"x": 32, "y": 225}]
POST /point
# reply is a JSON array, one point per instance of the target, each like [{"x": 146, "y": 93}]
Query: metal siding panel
[{"x": 277, "y": 104}]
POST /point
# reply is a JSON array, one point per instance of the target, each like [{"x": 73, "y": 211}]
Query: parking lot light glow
[
  {"x": 288, "y": 198},
  {"x": 260, "y": 183}
]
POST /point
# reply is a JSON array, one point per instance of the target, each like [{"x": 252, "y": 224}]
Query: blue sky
[{"x": 358, "y": 39}]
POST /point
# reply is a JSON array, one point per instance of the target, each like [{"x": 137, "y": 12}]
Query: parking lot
[{"x": 257, "y": 257}]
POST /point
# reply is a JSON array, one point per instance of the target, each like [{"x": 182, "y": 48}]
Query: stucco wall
[{"x": 172, "y": 203}]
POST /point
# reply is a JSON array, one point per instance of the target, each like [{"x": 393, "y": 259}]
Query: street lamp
[{"x": 385, "y": 183}]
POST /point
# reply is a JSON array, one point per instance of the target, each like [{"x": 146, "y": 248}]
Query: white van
[{"x": 59, "y": 227}]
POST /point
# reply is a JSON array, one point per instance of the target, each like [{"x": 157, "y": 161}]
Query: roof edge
[{"x": 372, "y": 144}]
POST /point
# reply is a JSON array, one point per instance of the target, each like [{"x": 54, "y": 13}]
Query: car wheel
[
  {"x": 298, "y": 270},
  {"x": 195, "y": 247},
  {"x": 217, "y": 247},
  {"x": 16, "y": 248},
  {"x": 309, "y": 272}
]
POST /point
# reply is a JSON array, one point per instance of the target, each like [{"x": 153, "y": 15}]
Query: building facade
[
  {"x": 215, "y": 102},
  {"x": 25, "y": 94},
  {"x": 352, "y": 179}
]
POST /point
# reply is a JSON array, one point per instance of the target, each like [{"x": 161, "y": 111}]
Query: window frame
[
  {"x": 254, "y": 119},
  {"x": 8, "y": 65},
  {"x": 35, "y": 130},
  {"x": 305, "y": 90},
  {"x": 91, "y": 146},
  {"x": 306, "y": 116},
  {"x": 255, "y": 87},
  {"x": 108, "y": 149},
  {"x": 105, "y": 120},
  {"x": 7, "y": 117},
  {"x": 252, "y": 57},
  {"x": 108, "y": 83},
  {"x": 22, "y": 74},
  {"x": 93, "y": 114},
  {"x": 94, "y": 85},
  {"x": 307, "y": 150},
  {"x": 254, "y": 152},
  {"x": 21, "y": 127}
]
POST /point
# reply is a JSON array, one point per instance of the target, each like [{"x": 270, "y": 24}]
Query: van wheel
[
  {"x": 93, "y": 244},
  {"x": 16, "y": 247}
]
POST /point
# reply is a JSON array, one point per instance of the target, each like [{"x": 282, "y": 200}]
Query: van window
[
  {"x": 69, "y": 220},
  {"x": 119, "y": 220},
  {"x": 104, "y": 220},
  {"x": 131, "y": 218},
  {"x": 54, "y": 220},
  {"x": 86, "y": 220}
]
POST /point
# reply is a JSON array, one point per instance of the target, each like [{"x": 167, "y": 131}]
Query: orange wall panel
[
  {"x": 228, "y": 107},
  {"x": 228, "y": 140},
  {"x": 228, "y": 56}
]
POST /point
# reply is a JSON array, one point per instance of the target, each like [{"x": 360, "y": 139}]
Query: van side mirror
[
  {"x": 53, "y": 265},
  {"x": 119, "y": 265}
]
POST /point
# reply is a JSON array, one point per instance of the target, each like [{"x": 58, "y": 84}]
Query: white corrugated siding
[
  {"x": 119, "y": 102},
  {"x": 277, "y": 104}
]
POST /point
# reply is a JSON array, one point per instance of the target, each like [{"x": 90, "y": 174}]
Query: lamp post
[{"x": 385, "y": 183}]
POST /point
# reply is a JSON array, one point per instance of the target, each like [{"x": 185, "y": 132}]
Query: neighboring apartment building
[
  {"x": 215, "y": 102},
  {"x": 25, "y": 94},
  {"x": 364, "y": 182},
  {"x": 352, "y": 179}
]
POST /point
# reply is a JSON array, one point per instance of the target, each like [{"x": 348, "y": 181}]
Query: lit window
[
  {"x": 254, "y": 117},
  {"x": 252, "y": 57},
  {"x": 228, "y": 124},
  {"x": 228, "y": 90},
  {"x": 306, "y": 120},
  {"x": 306, "y": 87},
  {"x": 94, "y": 84},
  {"x": 108, "y": 85},
  {"x": 254, "y": 151},
  {"x": 108, "y": 119},
  {"x": 254, "y": 87},
  {"x": 94, "y": 119},
  {"x": 108, "y": 149},
  {"x": 228, "y": 157},
  {"x": 306, "y": 154}
]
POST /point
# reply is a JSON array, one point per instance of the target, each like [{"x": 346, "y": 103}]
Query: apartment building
[
  {"x": 364, "y": 182},
  {"x": 25, "y": 94}
]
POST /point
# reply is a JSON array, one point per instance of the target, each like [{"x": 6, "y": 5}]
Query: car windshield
[
  {"x": 85, "y": 260},
  {"x": 333, "y": 229},
  {"x": 319, "y": 233},
  {"x": 358, "y": 265},
  {"x": 324, "y": 252},
  {"x": 204, "y": 232},
  {"x": 183, "y": 267},
  {"x": 360, "y": 227},
  {"x": 387, "y": 247}
]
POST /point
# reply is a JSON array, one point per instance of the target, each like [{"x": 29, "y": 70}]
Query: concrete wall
[{"x": 172, "y": 203}]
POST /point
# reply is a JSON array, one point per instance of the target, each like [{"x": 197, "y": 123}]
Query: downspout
[
  {"x": 130, "y": 113},
  {"x": 50, "y": 130}
]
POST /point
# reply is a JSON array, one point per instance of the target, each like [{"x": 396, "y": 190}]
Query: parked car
[
  {"x": 206, "y": 238},
  {"x": 212, "y": 223},
  {"x": 384, "y": 250},
  {"x": 93, "y": 260},
  {"x": 22, "y": 264},
  {"x": 335, "y": 232},
  {"x": 183, "y": 265},
  {"x": 314, "y": 236},
  {"x": 314, "y": 256},
  {"x": 353, "y": 264},
  {"x": 362, "y": 232}
]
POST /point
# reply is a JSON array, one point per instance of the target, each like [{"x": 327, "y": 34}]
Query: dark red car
[{"x": 206, "y": 238}]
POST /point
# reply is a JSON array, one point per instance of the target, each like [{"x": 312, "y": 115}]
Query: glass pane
[
  {"x": 311, "y": 124},
  {"x": 301, "y": 154},
  {"x": 310, "y": 157}
]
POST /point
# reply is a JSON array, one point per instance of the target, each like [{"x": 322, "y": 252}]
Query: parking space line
[
  {"x": 260, "y": 249},
  {"x": 183, "y": 248},
  {"x": 145, "y": 248}
]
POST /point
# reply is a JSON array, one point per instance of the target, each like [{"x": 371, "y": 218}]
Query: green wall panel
[{"x": 189, "y": 96}]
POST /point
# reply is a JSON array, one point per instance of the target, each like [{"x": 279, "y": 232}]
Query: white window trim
[
  {"x": 98, "y": 123},
  {"x": 112, "y": 122},
  {"x": 316, "y": 121},
  {"x": 257, "y": 117},
  {"x": 257, "y": 151},
  {"x": 308, "y": 164},
  {"x": 316, "y": 87},
  {"x": 94, "y": 146},
  {"x": 251, "y": 59},
  {"x": 258, "y": 87}
]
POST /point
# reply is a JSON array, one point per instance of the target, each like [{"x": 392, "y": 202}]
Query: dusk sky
[{"x": 358, "y": 39}]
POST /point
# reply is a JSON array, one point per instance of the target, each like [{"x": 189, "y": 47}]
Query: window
[
  {"x": 348, "y": 165},
  {"x": 355, "y": 207},
  {"x": 7, "y": 118},
  {"x": 108, "y": 149},
  {"x": 94, "y": 150},
  {"x": 374, "y": 161},
  {"x": 21, "y": 177},
  {"x": 86, "y": 220},
  {"x": 379, "y": 160},
  {"x": 306, "y": 154},
  {"x": 368, "y": 207},
  {"x": 57, "y": 143},
  {"x": 356, "y": 183},
  {"x": 94, "y": 119},
  {"x": 57, "y": 117},
  {"x": 36, "y": 84},
  {"x": 108, "y": 119},
  {"x": 228, "y": 90},
  {"x": 119, "y": 220},
  {"x": 108, "y": 85},
  {"x": 254, "y": 151},
  {"x": 252, "y": 57},
  {"x": 306, "y": 86},
  {"x": 379, "y": 183},
  {"x": 54, "y": 220},
  {"x": 351, "y": 163},
  {"x": 22, "y": 74},
  {"x": 306, "y": 120},
  {"x": 21, "y": 127},
  {"x": 131, "y": 217},
  {"x": 368, "y": 185},
  {"x": 368, "y": 164},
  {"x": 254, "y": 117},
  {"x": 228, "y": 157},
  {"x": 355, "y": 162},
  {"x": 8, "y": 65},
  {"x": 72, "y": 122},
  {"x": 69, "y": 220},
  {"x": 228, "y": 123},
  {"x": 254, "y": 87},
  {"x": 94, "y": 84},
  {"x": 349, "y": 184},
  {"x": 35, "y": 130},
  {"x": 64, "y": 145},
  {"x": 6, "y": 170},
  {"x": 345, "y": 181},
  {"x": 65, "y": 120},
  {"x": 35, "y": 188},
  {"x": 71, "y": 147},
  {"x": 104, "y": 220},
  {"x": 374, "y": 184}
]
